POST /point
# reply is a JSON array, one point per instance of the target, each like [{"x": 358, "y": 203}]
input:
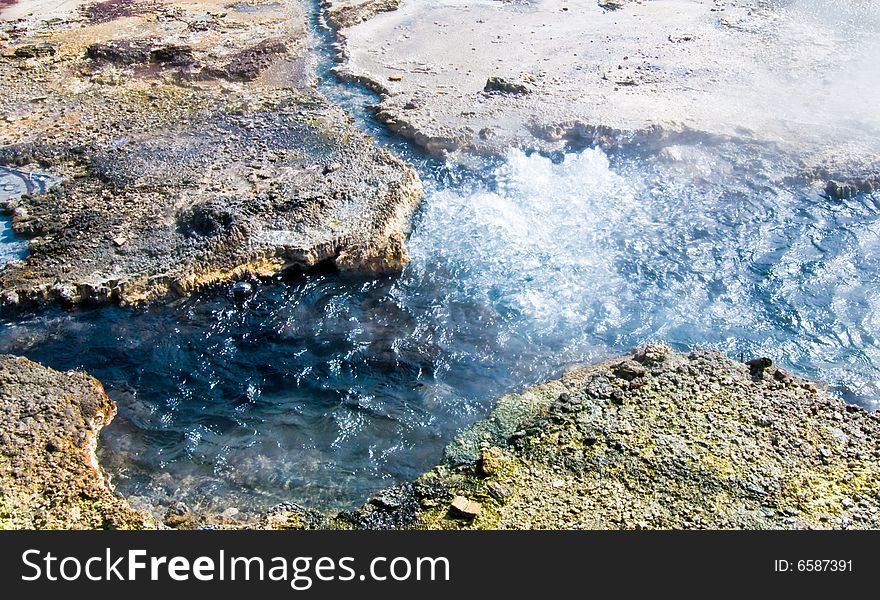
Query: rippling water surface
[{"x": 322, "y": 389}]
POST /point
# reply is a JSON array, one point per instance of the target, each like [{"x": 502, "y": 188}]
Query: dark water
[{"x": 322, "y": 389}]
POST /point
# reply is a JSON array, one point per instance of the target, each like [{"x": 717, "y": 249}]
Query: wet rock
[
  {"x": 844, "y": 190},
  {"x": 758, "y": 365},
  {"x": 140, "y": 51},
  {"x": 178, "y": 516},
  {"x": 241, "y": 291},
  {"x": 651, "y": 354},
  {"x": 840, "y": 190},
  {"x": 396, "y": 508},
  {"x": 505, "y": 86},
  {"x": 392, "y": 499}
]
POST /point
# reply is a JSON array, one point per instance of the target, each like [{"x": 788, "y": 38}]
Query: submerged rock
[
  {"x": 241, "y": 290},
  {"x": 289, "y": 515},
  {"x": 843, "y": 190}
]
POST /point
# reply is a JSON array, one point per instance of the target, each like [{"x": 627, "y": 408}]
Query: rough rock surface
[
  {"x": 656, "y": 440},
  {"x": 347, "y": 13},
  {"x": 797, "y": 76},
  {"x": 49, "y": 474},
  {"x": 193, "y": 149}
]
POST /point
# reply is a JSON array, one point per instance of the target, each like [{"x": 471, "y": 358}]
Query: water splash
[
  {"x": 585, "y": 257},
  {"x": 327, "y": 388}
]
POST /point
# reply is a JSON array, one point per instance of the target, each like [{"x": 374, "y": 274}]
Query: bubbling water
[
  {"x": 325, "y": 388},
  {"x": 581, "y": 258}
]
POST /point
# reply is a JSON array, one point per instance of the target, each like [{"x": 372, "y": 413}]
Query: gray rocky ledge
[{"x": 186, "y": 162}]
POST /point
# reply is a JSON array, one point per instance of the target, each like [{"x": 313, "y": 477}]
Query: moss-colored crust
[
  {"x": 49, "y": 475},
  {"x": 658, "y": 440}
]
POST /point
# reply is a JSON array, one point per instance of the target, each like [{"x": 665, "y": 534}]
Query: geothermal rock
[
  {"x": 695, "y": 441},
  {"x": 187, "y": 159},
  {"x": 49, "y": 474},
  {"x": 761, "y": 75}
]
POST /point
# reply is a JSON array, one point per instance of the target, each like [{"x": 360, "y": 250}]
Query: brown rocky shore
[
  {"x": 49, "y": 473},
  {"x": 655, "y": 440},
  {"x": 192, "y": 149}
]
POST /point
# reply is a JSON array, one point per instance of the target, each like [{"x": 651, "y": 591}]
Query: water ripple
[{"x": 322, "y": 389}]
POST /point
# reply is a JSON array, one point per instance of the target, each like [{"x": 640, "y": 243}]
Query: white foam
[{"x": 576, "y": 260}]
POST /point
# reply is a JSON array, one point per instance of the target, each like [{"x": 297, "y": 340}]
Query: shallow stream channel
[{"x": 322, "y": 389}]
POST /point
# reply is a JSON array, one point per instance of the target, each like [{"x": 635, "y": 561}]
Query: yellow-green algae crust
[
  {"x": 49, "y": 475},
  {"x": 660, "y": 440}
]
